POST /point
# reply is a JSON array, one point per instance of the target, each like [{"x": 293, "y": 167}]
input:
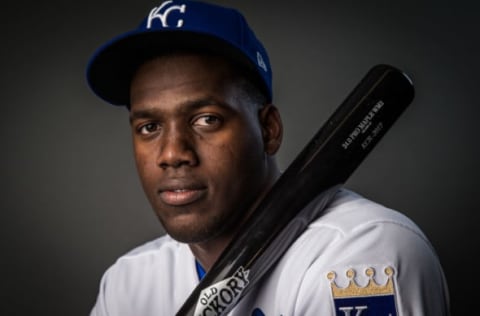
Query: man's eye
[
  {"x": 207, "y": 120},
  {"x": 148, "y": 128}
]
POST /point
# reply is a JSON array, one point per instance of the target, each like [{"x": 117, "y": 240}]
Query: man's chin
[
  {"x": 190, "y": 236},
  {"x": 193, "y": 229},
  {"x": 189, "y": 231}
]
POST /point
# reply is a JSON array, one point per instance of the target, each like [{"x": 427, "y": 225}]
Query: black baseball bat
[{"x": 321, "y": 168}]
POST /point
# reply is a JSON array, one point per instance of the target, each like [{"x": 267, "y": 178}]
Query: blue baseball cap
[{"x": 173, "y": 25}]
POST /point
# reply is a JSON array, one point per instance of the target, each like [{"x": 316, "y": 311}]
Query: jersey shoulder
[
  {"x": 152, "y": 269},
  {"x": 349, "y": 211},
  {"x": 372, "y": 256}
]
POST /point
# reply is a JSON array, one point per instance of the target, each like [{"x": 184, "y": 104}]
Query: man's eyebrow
[
  {"x": 142, "y": 114},
  {"x": 184, "y": 107}
]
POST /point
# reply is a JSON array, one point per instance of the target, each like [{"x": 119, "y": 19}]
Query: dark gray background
[{"x": 70, "y": 198}]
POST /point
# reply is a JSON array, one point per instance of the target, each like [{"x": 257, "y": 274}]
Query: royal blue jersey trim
[{"x": 200, "y": 270}]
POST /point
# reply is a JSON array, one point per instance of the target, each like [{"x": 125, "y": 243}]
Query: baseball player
[{"x": 198, "y": 86}]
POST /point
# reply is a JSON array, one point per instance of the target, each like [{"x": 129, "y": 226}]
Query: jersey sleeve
[{"x": 381, "y": 264}]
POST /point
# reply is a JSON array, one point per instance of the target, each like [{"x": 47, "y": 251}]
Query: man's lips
[
  {"x": 178, "y": 194},
  {"x": 181, "y": 197}
]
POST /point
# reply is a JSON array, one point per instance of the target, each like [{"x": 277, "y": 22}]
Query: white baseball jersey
[{"x": 357, "y": 259}]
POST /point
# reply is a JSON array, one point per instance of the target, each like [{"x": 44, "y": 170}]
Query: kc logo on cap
[{"x": 167, "y": 7}]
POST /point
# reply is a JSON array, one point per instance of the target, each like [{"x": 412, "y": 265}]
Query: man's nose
[{"x": 177, "y": 149}]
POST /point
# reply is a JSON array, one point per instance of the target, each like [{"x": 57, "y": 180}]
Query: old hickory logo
[{"x": 217, "y": 298}]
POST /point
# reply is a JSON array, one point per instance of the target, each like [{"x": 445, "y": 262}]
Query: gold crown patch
[{"x": 370, "y": 289}]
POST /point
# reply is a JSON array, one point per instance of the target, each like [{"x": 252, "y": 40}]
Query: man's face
[{"x": 198, "y": 146}]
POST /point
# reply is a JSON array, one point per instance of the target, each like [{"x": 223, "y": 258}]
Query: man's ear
[{"x": 272, "y": 128}]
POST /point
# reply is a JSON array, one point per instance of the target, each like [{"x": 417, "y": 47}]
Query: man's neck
[{"x": 207, "y": 253}]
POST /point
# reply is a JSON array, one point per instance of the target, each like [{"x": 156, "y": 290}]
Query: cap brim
[{"x": 111, "y": 69}]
